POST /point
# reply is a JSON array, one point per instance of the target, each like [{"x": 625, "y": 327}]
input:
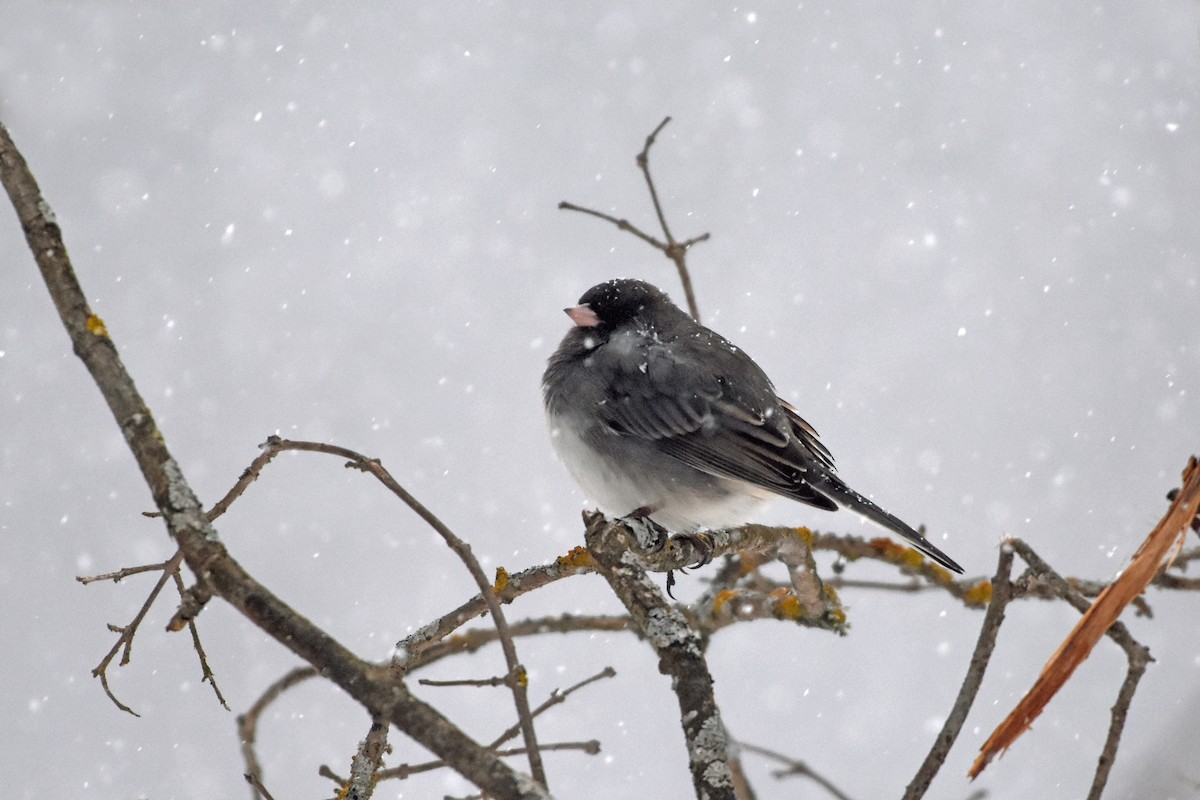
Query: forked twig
[
  {"x": 516, "y": 672},
  {"x": 556, "y": 697},
  {"x": 671, "y": 248},
  {"x": 1001, "y": 595},
  {"x": 124, "y": 642},
  {"x": 247, "y": 724},
  {"x": 794, "y": 766}
]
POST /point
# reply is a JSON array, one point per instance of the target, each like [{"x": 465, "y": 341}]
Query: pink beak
[{"x": 582, "y": 316}]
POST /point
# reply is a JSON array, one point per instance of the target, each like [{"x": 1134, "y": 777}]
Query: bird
[{"x": 659, "y": 418}]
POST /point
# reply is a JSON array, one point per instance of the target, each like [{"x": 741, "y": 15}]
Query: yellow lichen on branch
[
  {"x": 577, "y": 557},
  {"x": 979, "y": 595},
  {"x": 501, "y": 582}
]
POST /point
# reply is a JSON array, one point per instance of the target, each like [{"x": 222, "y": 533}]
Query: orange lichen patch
[
  {"x": 748, "y": 561},
  {"x": 979, "y": 595},
  {"x": 578, "y": 557},
  {"x": 722, "y": 599},
  {"x": 831, "y": 593},
  {"x": 501, "y": 582},
  {"x": 898, "y": 554},
  {"x": 786, "y": 605},
  {"x": 805, "y": 535},
  {"x": 95, "y": 326}
]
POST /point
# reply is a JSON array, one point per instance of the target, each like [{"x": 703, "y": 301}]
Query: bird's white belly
[{"x": 680, "y": 497}]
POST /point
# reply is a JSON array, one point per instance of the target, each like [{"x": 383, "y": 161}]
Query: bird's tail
[{"x": 846, "y": 497}]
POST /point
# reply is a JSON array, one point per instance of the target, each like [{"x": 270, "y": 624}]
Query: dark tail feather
[{"x": 846, "y": 497}]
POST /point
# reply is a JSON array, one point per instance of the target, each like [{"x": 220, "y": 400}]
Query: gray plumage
[{"x": 652, "y": 412}]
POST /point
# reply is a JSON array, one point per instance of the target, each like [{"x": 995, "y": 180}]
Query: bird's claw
[
  {"x": 650, "y": 536},
  {"x": 703, "y": 543}
]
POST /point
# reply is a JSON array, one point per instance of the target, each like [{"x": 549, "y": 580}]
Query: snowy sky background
[{"x": 961, "y": 237}]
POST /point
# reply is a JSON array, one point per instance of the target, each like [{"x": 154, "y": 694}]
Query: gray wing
[{"x": 682, "y": 398}]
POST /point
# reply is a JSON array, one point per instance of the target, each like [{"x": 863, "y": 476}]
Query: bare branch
[
  {"x": 125, "y": 572},
  {"x": 1001, "y": 595},
  {"x": 202, "y": 549},
  {"x": 124, "y": 643},
  {"x": 671, "y": 248},
  {"x": 555, "y": 698},
  {"x": 516, "y": 672},
  {"x": 1136, "y": 653},
  {"x": 257, "y": 787},
  {"x": 409, "y": 650},
  {"x": 795, "y": 767},
  {"x": 206, "y": 673},
  {"x": 404, "y": 771},
  {"x": 681, "y": 656},
  {"x": 247, "y": 723},
  {"x": 1165, "y": 541},
  {"x": 366, "y": 762}
]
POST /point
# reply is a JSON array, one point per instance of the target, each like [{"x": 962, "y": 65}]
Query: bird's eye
[{"x": 589, "y": 342}]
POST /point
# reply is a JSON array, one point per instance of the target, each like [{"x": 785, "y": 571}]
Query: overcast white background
[{"x": 961, "y": 237}]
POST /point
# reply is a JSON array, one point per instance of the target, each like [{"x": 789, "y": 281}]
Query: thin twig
[
  {"x": 404, "y": 771},
  {"x": 516, "y": 672},
  {"x": 125, "y": 638},
  {"x": 410, "y": 650},
  {"x": 478, "y": 682},
  {"x": 671, "y": 248},
  {"x": 1136, "y": 653},
  {"x": 554, "y": 699},
  {"x": 1001, "y": 595},
  {"x": 247, "y": 724},
  {"x": 676, "y": 251},
  {"x": 256, "y": 785},
  {"x": 680, "y": 652},
  {"x": 206, "y": 673},
  {"x": 795, "y": 767},
  {"x": 365, "y": 764},
  {"x": 125, "y": 572}
]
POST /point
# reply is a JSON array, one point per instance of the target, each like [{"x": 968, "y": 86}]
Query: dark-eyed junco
[{"x": 659, "y": 417}]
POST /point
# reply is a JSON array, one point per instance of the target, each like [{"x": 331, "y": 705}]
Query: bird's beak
[{"x": 582, "y": 316}]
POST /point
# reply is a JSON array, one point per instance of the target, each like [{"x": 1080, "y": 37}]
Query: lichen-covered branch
[
  {"x": 680, "y": 652},
  {"x": 187, "y": 523}
]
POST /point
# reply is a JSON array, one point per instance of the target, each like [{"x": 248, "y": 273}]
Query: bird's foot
[
  {"x": 649, "y": 535},
  {"x": 702, "y": 542}
]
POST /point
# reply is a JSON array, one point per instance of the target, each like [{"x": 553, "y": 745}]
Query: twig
[
  {"x": 1137, "y": 654},
  {"x": 125, "y": 638},
  {"x": 671, "y": 248},
  {"x": 472, "y": 640},
  {"x": 247, "y": 724},
  {"x": 206, "y": 673},
  {"x": 404, "y": 771},
  {"x": 1001, "y": 595},
  {"x": 516, "y": 672},
  {"x": 366, "y": 762},
  {"x": 1101, "y": 616},
  {"x": 795, "y": 767},
  {"x": 676, "y": 251},
  {"x": 125, "y": 572},
  {"x": 680, "y": 652},
  {"x": 555, "y": 698},
  {"x": 480, "y": 682},
  {"x": 201, "y": 546},
  {"x": 410, "y": 650},
  {"x": 257, "y": 787}
]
